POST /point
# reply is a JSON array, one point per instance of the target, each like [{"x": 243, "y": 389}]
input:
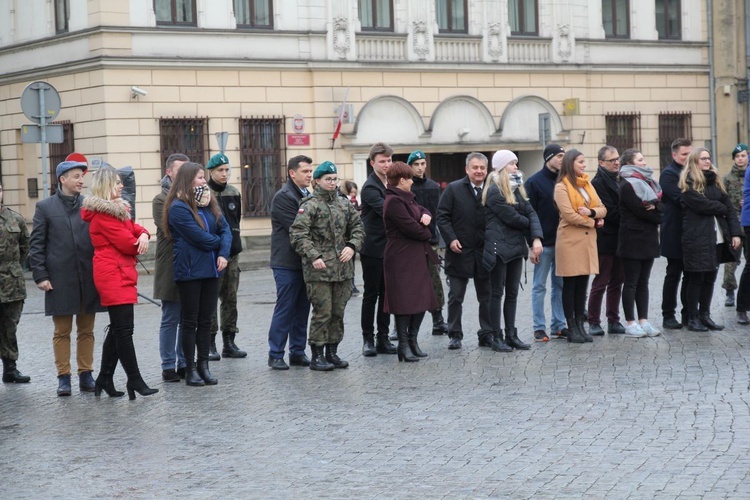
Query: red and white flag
[{"x": 341, "y": 119}]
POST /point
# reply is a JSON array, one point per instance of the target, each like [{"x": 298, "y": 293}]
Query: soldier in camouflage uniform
[
  {"x": 734, "y": 183},
  {"x": 326, "y": 233},
  {"x": 14, "y": 247}
]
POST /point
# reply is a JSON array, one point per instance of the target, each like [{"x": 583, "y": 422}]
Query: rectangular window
[
  {"x": 523, "y": 17},
  {"x": 62, "y": 13},
  {"x": 668, "y": 19},
  {"x": 188, "y": 136},
  {"x": 58, "y": 153},
  {"x": 175, "y": 12},
  {"x": 672, "y": 126},
  {"x": 376, "y": 15},
  {"x": 623, "y": 130},
  {"x": 616, "y": 18},
  {"x": 451, "y": 16},
  {"x": 262, "y": 156},
  {"x": 254, "y": 13}
]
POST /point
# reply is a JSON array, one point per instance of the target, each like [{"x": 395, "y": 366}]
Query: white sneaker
[
  {"x": 635, "y": 331},
  {"x": 650, "y": 329}
]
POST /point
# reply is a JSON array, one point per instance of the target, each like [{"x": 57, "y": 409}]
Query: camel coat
[{"x": 575, "y": 248}]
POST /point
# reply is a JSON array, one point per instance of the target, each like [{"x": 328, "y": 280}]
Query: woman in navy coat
[
  {"x": 408, "y": 283},
  {"x": 201, "y": 239}
]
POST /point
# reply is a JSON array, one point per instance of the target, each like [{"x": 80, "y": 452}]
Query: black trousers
[
  {"x": 198, "y": 303},
  {"x": 635, "y": 288},
  {"x": 700, "y": 291},
  {"x": 671, "y": 286},
  {"x": 505, "y": 278},
  {"x": 456, "y": 293},
  {"x": 373, "y": 297},
  {"x": 121, "y": 326},
  {"x": 574, "y": 295}
]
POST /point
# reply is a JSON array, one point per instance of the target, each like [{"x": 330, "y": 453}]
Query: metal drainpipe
[{"x": 711, "y": 81}]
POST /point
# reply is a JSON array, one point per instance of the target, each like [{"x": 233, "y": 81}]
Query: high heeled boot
[
  {"x": 104, "y": 381},
  {"x": 413, "y": 345},
  {"x": 205, "y": 374},
  {"x": 126, "y": 352},
  {"x": 402, "y": 327}
]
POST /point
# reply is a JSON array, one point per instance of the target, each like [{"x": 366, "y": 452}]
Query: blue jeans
[
  {"x": 290, "y": 314},
  {"x": 543, "y": 269},
  {"x": 170, "y": 344}
]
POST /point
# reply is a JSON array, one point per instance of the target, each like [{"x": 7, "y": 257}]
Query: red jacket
[{"x": 114, "y": 236}]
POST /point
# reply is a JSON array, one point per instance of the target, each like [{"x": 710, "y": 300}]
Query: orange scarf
[{"x": 576, "y": 198}]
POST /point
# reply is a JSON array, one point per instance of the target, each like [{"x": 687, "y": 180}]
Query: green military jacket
[
  {"x": 734, "y": 182},
  {"x": 326, "y": 223},
  {"x": 14, "y": 248}
]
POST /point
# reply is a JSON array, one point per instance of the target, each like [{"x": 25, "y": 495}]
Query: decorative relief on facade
[
  {"x": 421, "y": 39},
  {"x": 564, "y": 42},
  {"x": 494, "y": 41},
  {"x": 342, "y": 40}
]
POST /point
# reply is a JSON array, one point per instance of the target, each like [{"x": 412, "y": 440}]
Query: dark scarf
[
  {"x": 215, "y": 185},
  {"x": 609, "y": 178}
]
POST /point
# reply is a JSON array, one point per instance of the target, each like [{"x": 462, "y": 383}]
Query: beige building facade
[{"x": 415, "y": 82}]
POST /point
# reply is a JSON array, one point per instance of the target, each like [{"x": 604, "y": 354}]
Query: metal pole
[
  {"x": 711, "y": 77},
  {"x": 43, "y": 125}
]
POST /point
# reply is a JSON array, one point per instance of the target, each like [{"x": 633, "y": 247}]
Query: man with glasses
[
  {"x": 611, "y": 275},
  {"x": 671, "y": 236}
]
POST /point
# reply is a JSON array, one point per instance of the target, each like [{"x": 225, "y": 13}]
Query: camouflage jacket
[
  {"x": 14, "y": 247},
  {"x": 734, "y": 182},
  {"x": 326, "y": 223}
]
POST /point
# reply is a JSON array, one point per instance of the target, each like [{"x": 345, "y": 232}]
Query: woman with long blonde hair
[
  {"x": 710, "y": 235},
  {"x": 509, "y": 221}
]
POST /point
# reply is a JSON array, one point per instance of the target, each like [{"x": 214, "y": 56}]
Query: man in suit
[
  {"x": 292, "y": 307},
  {"x": 461, "y": 222}
]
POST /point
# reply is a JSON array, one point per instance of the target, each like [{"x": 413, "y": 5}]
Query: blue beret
[{"x": 324, "y": 168}]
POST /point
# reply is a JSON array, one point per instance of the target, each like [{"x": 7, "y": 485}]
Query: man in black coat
[
  {"x": 611, "y": 274},
  {"x": 671, "y": 235},
  {"x": 61, "y": 261},
  {"x": 461, "y": 222},
  {"x": 292, "y": 307},
  {"x": 427, "y": 193},
  {"x": 371, "y": 255}
]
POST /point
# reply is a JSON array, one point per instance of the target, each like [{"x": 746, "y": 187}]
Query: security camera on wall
[{"x": 137, "y": 92}]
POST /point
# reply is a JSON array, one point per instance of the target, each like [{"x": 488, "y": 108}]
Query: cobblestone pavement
[{"x": 620, "y": 418}]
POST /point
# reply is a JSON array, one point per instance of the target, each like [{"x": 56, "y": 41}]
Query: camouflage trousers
[
  {"x": 229, "y": 283},
  {"x": 730, "y": 270},
  {"x": 328, "y": 300},
  {"x": 10, "y": 315},
  {"x": 437, "y": 282}
]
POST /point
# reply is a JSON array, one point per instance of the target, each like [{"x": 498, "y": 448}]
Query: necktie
[{"x": 477, "y": 192}]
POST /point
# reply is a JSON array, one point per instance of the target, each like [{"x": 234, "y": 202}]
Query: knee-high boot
[
  {"x": 104, "y": 381},
  {"x": 129, "y": 361},
  {"x": 402, "y": 327},
  {"x": 414, "y": 323}
]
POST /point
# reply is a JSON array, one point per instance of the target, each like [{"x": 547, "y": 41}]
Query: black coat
[
  {"x": 509, "y": 227},
  {"x": 60, "y": 251},
  {"x": 284, "y": 208},
  {"x": 639, "y": 228},
  {"x": 373, "y": 198},
  {"x": 606, "y": 187},
  {"x": 541, "y": 187},
  {"x": 461, "y": 217},
  {"x": 699, "y": 215},
  {"x": 671, "y": 223},
  {"x": 427, "y": 193}
]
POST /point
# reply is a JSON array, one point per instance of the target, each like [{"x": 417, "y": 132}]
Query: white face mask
[{"x": 516, "y": 179}]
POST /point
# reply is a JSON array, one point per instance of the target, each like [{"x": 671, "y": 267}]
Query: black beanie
[{"x": 552, "y": 150}]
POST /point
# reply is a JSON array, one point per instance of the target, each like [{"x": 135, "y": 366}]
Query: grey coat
[
  {"x": 60, "y": 251},
  {"x": 164, "y": 285}
]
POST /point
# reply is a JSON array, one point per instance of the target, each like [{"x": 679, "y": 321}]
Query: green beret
[
  {"x": 324, "y": 168},
  {"x": 217, "y": 161},
  {"x": 414, "y": 156},
  {"x": 739, "y": 147}
]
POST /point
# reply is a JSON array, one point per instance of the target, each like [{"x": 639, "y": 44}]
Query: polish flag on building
[{"x": 341, "y": 119}]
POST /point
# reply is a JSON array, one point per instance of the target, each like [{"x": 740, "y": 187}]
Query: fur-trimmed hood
[{"x": 117, "y": 208}]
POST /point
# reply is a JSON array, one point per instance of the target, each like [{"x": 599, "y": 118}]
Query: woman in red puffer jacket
[{"x": 117, "y": 240}]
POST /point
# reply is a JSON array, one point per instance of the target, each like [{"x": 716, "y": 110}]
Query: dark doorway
[{"x": 442, "y": 168}]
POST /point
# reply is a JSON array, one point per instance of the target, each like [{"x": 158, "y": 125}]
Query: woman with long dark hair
[
  {"x": 638, "y": 238},
  {"x": 201, "y": 239},
  {"x": 576, "y": 255},
  {"x": 509, "y": 220},
  {"x": 711, "y": 235},
  {"x": 117, "y": 240}
]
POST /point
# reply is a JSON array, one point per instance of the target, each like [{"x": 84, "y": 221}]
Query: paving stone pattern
[{"x": 620, "y": 418}]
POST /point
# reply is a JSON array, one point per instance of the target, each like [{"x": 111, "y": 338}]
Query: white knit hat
[{"x": 501, "y": 159}]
